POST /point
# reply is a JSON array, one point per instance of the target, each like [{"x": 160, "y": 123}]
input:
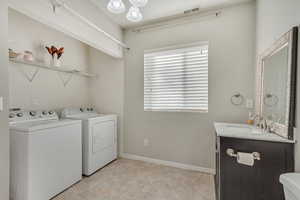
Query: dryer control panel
[{"x": 75, "y": 111}]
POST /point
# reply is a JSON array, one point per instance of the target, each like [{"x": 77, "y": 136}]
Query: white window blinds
[{"x": 176, "y": 79}]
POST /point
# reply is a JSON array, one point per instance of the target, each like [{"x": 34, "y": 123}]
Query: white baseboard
[{"x": 168, "y": 163}]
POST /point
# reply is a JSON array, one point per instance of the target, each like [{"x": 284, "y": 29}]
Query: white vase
[{"x": 56, "y": 62}]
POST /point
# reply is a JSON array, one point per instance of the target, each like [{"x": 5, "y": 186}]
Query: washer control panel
[{"x": 18, "y": 115}]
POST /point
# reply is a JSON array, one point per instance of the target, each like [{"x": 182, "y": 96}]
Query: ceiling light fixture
[
  {"x": 116, "y": 6},
  {"x": 139, "y": 3},
  {"x": 134, "y": 14}
]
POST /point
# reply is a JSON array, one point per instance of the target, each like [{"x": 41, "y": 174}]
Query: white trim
[{"x": 169, "y": 163}]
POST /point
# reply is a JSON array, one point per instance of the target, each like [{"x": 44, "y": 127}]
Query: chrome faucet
[
  {"x": 257, "y": 120},
  {"x": 261, "y": 122}
]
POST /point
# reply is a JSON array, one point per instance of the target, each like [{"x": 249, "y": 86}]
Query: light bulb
[
  {"x": 138, "y": 3},
  {"x": 134, "y": 14},
  {"x": 116, "y": 6}
]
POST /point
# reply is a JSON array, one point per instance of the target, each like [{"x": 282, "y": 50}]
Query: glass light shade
[
  {"x": 139, "y": 3},
  {"x": 134, "y": 14},
  {"x": 116, "y": 6}
]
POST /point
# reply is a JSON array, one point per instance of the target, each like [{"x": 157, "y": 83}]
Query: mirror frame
[{"x": 289, "y": 39}]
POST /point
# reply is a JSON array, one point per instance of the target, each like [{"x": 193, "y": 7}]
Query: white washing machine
[
  {"x": 46, "y": 154},
  {"x": 99, "y": 137}
]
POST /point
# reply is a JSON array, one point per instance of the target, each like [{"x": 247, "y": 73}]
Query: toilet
[{"x": 291, "y": 185}]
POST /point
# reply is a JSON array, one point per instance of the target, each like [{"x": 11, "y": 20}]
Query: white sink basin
[{"x": 244, "y": 129}]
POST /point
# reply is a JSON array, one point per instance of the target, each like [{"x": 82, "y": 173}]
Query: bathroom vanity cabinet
[
  {"x": 271, "y": 148},
  {"x": 236, "y": 181}
]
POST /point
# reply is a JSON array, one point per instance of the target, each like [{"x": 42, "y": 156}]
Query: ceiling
[{"x": 157, "y": 9}]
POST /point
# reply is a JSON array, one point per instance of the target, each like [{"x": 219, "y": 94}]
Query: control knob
[
  {"x": 32, "y": 113},
  {"x": 20, "y": 114}
]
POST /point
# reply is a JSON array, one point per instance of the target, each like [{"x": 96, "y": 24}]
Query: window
[{"x": 176, "y": 79}]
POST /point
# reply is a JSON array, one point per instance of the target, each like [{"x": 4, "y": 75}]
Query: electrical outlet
[
  {"x": 1, "y": 104},
  {"x": 146, "y": 142},
  {"x": 249, "y": 103}
]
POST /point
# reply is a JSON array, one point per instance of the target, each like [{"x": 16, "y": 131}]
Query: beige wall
[
  {"x": 47, "y": 90},
  {"x": 4, "y": 137},
  {"x": 274, "y": 18},
  {"x": 188, "y": 138},
  {"x": 107, "y": 91}
]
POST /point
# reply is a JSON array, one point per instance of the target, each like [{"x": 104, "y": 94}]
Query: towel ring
[
  {"x": 237, "y": 99},
  {"x": 271, "y": 100}
]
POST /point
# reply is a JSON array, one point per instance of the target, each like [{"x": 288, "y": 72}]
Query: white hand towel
[{"x": 245, "y": 158}]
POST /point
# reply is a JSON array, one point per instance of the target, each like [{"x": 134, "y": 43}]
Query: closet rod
[{"x": 59, "y": 3}]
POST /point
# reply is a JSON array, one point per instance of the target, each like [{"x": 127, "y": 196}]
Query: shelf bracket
[
  {"x": 55, "y": 4},
  {"x": 30, "y": 77},
  {"x": 67, "y": 80}
]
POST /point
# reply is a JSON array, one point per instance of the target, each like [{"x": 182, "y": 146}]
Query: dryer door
[{"x": 103, "y": 135}]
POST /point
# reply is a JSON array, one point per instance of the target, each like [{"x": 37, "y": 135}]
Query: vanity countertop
[{"x": 244, "y": 131}]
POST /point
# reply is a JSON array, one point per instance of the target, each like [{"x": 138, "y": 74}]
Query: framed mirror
[{"x": 276, "y": 84}]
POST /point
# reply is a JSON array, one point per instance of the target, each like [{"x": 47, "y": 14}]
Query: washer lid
[
  {"x": 41, "y": 125},
  {"x": 291, "y": 181}
]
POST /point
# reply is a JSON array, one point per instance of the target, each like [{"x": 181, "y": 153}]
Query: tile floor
[{"x": 136, "y": 180}]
